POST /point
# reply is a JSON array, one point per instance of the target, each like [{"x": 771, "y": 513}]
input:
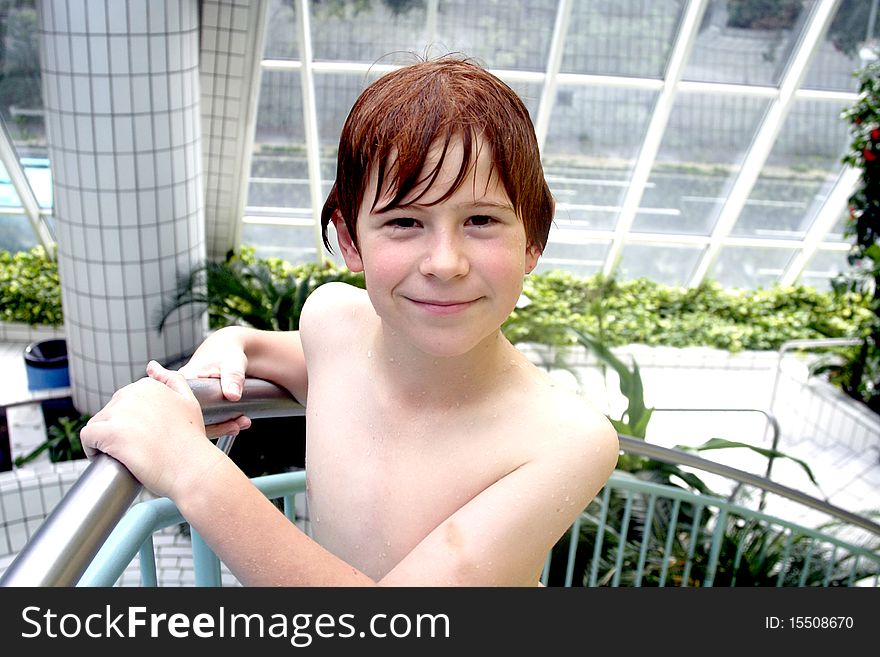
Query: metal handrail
[
  {"x": 817, "y": 343},
  {"x": 68, "y": 539},
  {"x": 677, "y": 457},
  {"x": 64, "y": 545}
]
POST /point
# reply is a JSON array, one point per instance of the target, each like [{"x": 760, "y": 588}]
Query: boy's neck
[{"x": 425, "y": 379}]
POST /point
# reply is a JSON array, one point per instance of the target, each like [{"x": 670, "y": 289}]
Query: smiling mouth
[{"x": 442, "y": 307}]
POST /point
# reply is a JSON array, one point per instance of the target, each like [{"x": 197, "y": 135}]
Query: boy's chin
[{"x": 449, "y": 347}]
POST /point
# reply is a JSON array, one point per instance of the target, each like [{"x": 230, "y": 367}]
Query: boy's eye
[
  {"x": 402, "y": 222},
  {"x": 480, "y": 220}
]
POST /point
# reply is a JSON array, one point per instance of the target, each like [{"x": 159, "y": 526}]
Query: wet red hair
[{"x": 402, "y": 116}]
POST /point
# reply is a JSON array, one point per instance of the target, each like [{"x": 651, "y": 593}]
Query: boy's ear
[
  {"x": 532, "y": 255},
  {"x": 533, "y": 252},
  {"x": 346, "y": 244}
]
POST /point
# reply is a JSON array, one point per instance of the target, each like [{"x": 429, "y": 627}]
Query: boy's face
[{"x": 445, "y": 276}]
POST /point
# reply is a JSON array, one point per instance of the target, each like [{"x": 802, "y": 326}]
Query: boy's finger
[
  {"x": 232, "y": 376},
  {"x": 173, "y": 380},
  {"x": 228, "y": 428}
]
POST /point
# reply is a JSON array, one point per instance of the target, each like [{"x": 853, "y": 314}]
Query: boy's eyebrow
[{"x": 491, "y": 205}]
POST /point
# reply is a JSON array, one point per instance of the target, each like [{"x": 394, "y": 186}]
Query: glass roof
[{"x": 683, "y": 140}]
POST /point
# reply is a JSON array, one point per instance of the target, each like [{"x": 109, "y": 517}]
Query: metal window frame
[
  {"x": 26, "y": 196},
  {"x": 782, "y": 96}
]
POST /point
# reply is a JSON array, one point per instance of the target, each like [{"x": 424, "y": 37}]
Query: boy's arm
[
  {"x": 154, "y": 427},
  {"x": 233, "y": 352},
  {"x": 502, "y": 535}
]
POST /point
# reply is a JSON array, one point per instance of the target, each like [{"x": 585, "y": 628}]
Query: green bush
[
  {"x": 859, "y": 373},
  {"x": 29, "y": 288},
  {"x": 641, "y": 311}
]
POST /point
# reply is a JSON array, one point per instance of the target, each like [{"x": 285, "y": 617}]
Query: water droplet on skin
[{"x": 369, "y": 353}]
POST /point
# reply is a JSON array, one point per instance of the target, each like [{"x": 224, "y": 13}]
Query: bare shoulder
[
  {"x": 327, "y": 304},
  {"x": 334, "y": 295},
  {"x": 576, "y": 438}
]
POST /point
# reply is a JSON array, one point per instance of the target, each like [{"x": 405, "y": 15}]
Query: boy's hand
[
  {"x": 221, "y": 356},
  {"x": 155, "y": 429}
]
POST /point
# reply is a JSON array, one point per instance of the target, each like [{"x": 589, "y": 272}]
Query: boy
[{"x": 437, "y": 454}]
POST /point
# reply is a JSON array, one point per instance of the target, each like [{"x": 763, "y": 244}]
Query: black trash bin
[{"x": 46, "y": 364}]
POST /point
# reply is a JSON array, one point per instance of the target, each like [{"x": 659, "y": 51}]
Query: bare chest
[{"x": 380, "y": 482}]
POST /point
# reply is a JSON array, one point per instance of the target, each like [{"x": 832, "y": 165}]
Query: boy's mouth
[{"x": 442, "y": 306}]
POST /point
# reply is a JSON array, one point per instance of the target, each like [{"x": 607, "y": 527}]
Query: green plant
[
  {"x": 262, "y": 293},
  {"x": 750, "y": 553},
  {"x": 756, "y": 566},
  {"x": 634, "y": 423},
  {"x": 859, "y": 372},
  {"x": 63, "y": 442},
  {"x": 30, "y": 291},
  {"x": 645, "y": 312}
]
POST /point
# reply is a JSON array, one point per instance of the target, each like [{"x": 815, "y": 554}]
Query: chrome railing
[{"x": 64, "y": 545}]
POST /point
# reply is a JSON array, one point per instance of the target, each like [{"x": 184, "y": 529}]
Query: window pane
[
  {"x": 367, "y": 32},
  {"x": 280, "y": 110},
  {"x": 279, "y": 176},
  {"x": 592, "y": 142},
  {"x": 842, "y": 50},
  {"x": 334, "y": 96},
  {"x": 750, "y": 267},
  {"x": 16, "y": 233},
  {"x": 628, "y": 37},
  {"x": 824, "y": 266},
  {"x": 21, "y": 103},
  {"x": 800, "y": 172},
  {"x": 281, "y": 31},
  {"x": 667, "y": 264},
  {"x": 836, "y": 233},
  {"x": 697, "y": 162},
  {"x": 279, "y": 179},
  {"x": 580, "y": 259},
  {"x": 745, "y": 42},
  {"x": 498, "y": 33},
  {"x": 291, "y": 243}
]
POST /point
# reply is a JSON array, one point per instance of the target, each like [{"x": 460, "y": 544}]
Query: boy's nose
[{"x": 446, "y": 258}]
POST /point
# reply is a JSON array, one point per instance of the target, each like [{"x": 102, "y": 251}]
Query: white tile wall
[
  {"x": 232, "y": 37},
  {"x": 117, "y": 76}
]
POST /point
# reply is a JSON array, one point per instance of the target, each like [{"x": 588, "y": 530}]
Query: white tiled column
[
  {"x": 121, "y": 91},
  {"x": 231, "y": 49}
]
